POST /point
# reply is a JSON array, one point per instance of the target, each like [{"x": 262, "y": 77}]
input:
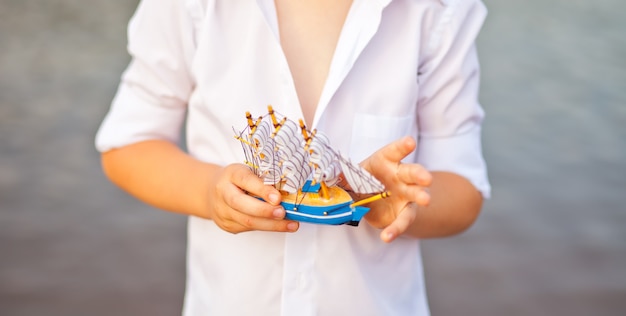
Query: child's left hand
[{"x": 408, "y": 184}]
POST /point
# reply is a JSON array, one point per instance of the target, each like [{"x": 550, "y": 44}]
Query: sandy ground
[{"x": 551, "y": 241}]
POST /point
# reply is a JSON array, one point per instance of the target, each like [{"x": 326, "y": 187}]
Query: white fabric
[{"x": 402, "y": 67}]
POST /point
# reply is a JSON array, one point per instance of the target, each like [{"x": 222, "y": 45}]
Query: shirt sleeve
[
  {"x": 449, "y": 115},
  {"x": 151, "y": 99}
]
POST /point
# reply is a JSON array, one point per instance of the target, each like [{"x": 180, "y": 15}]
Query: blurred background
[{"x": 551, "y": 241}]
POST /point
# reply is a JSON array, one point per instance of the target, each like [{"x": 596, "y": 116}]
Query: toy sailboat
[{"x": 303, "y": 166}]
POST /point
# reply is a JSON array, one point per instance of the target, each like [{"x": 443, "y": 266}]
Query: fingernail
[
  {"x": 279, "y": 212},
  {"x": 274, "y": 198},
  {"x": 293, "y": 226},
  {"x": 424, "y": 198},
  {"x": 388, "y": 237}
]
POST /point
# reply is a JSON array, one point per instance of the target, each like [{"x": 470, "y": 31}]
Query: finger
[
  {"x": 248, "y": 223},
  {"x": 246, "y": 180},
  {"x": 252, "y": 206},
  {"x": 414, "y": 174},
  {"x": 397, "y": 150},
  {"x": 400, "y": 224},
  {"x": 414, "y": 193}
]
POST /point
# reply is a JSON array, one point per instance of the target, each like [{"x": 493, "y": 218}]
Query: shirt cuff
[{"x": 460, "y": 154}]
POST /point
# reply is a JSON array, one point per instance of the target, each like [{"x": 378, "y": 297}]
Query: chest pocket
[{"x": 372, "y": 132}]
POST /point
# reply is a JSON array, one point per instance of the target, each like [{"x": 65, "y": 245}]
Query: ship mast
[{"x": 308, "y": 139}]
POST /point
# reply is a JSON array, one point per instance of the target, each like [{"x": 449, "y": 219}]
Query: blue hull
[{"x": 329, "y": 215}]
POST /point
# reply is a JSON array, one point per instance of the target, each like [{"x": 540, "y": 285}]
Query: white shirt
[{"x": 402, "y": 67}]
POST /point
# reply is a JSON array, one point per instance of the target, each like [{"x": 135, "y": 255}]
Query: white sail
[
  {"x": 288, "y": 140},
  {"x": 270, "y": 171},
  {"x": 296, "y": 171},
  {"x": 360, "y": 180},
  {"x": 264, "y": 154},
  {"x": 327, "y": 169},
  {"x": 261, "y": 136}
]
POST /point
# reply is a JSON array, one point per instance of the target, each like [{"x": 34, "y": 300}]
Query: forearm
[
  {"x": 454, "y": 206},
  {"x": 162, "y": 175}
]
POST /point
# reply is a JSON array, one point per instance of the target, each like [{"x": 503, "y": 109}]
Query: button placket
[{"x": 298, "y": 296}]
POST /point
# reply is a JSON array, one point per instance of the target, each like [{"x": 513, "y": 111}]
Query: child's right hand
[{"x": 236, "y": 211}]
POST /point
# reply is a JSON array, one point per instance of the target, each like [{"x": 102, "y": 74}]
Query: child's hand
[
  {"x": 235, "y": 211},
  {"x": 408, "y": 184}
]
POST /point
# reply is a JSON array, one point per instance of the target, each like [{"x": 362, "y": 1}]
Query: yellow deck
[{"x": 336, "y": 195}]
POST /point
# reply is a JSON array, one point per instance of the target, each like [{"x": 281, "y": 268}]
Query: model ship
[{"x": 307, "y": 171}]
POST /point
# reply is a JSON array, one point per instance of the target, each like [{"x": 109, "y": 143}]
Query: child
[{"x": 393, "y": 84}]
